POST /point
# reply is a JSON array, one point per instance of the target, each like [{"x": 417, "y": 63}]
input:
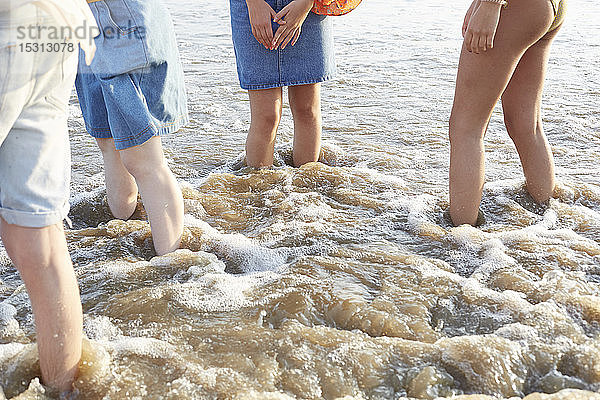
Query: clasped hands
[{"x": 290, "y": 20}]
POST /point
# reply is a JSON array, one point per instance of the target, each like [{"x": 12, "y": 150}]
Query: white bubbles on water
[
  {"x": 221, "y": 292},
  {"x": 141, "y": 346},
  {"x": 246, "y": 254},
  {"x": 10, "y": 350},
  {"x": 9, "y": 326},
  {"x": 99, "y": 327}
]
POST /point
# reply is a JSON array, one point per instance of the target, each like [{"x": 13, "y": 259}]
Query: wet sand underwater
[{"x": 341, "y": 279}]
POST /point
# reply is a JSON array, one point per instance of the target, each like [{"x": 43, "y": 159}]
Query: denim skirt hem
[{"x": 282, "y": 84}]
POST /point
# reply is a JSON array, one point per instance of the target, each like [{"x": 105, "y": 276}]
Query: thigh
[
  {"x": 257, "y": 67},
  {"x": 11, "y": 101},
  {"x": 150, "y": 154},
  {"x": 265, "y": 101},
  {"x": 483, "y": 77},
  {"x": 16, "y": 74},
  {"x": 91, "y": 101},
  {"x": 312, "y": 58},
  {"x": 35, "y": 155},
  {"x": 304, "y": 96},
  {"x": 30, "y": 243},
  {"x": 523, "y": 96}
]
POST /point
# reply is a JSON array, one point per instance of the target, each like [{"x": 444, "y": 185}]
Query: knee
[
  {"x": 32, "y": 249},
  {"x": 27, "y": 261},
  {"x": 306, "y": 112},
  {"x": 463, "y": 129},
  {"x": 123, "y": 204},
  {"x": 453, "y": 132},
  {"x": 107, "y": 147},
  {"x": 139, "y": 166},
  {"x": 519, "y": 128},
  {"x": 268, "y": 120}
]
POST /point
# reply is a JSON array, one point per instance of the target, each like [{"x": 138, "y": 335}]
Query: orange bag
[{"x": 334, "y": 7}]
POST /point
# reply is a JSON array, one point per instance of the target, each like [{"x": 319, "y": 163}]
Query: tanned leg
[
  {"x": 480, "y": 82},
  {"x": 41, "y": 257},
  {"x": 521, "y": 103},
  {"x": 160, "y": 192},
  {"x": 265, "y": 110},
  {"x": 305, "y": 102},
  {"x": 121, "y": 189}
]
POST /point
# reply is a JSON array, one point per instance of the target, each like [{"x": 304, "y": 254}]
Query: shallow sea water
[{"x": 341, "y": 280}]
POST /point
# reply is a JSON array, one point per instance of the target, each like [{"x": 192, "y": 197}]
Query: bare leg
[
  {"x": 121, "y": 189},
  {"x": 521, "y": 103},
  {"x": 265, "y": 110},
  {"x": 481, "y": 81},
  {"x": 160, "y": 192},
  {"x": 305, "y": 102},
  {"x": 42, "y": 259}
]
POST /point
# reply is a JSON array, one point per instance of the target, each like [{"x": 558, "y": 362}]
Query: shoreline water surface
[{"x": 342, "y": 280}]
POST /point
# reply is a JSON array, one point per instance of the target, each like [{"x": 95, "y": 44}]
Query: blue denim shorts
[
  {"x": 310, "y": 60},
  {"x": 134, "y": 88}
]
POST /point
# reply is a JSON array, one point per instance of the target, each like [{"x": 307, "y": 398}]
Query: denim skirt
[{"x": 310, "y": 60}]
